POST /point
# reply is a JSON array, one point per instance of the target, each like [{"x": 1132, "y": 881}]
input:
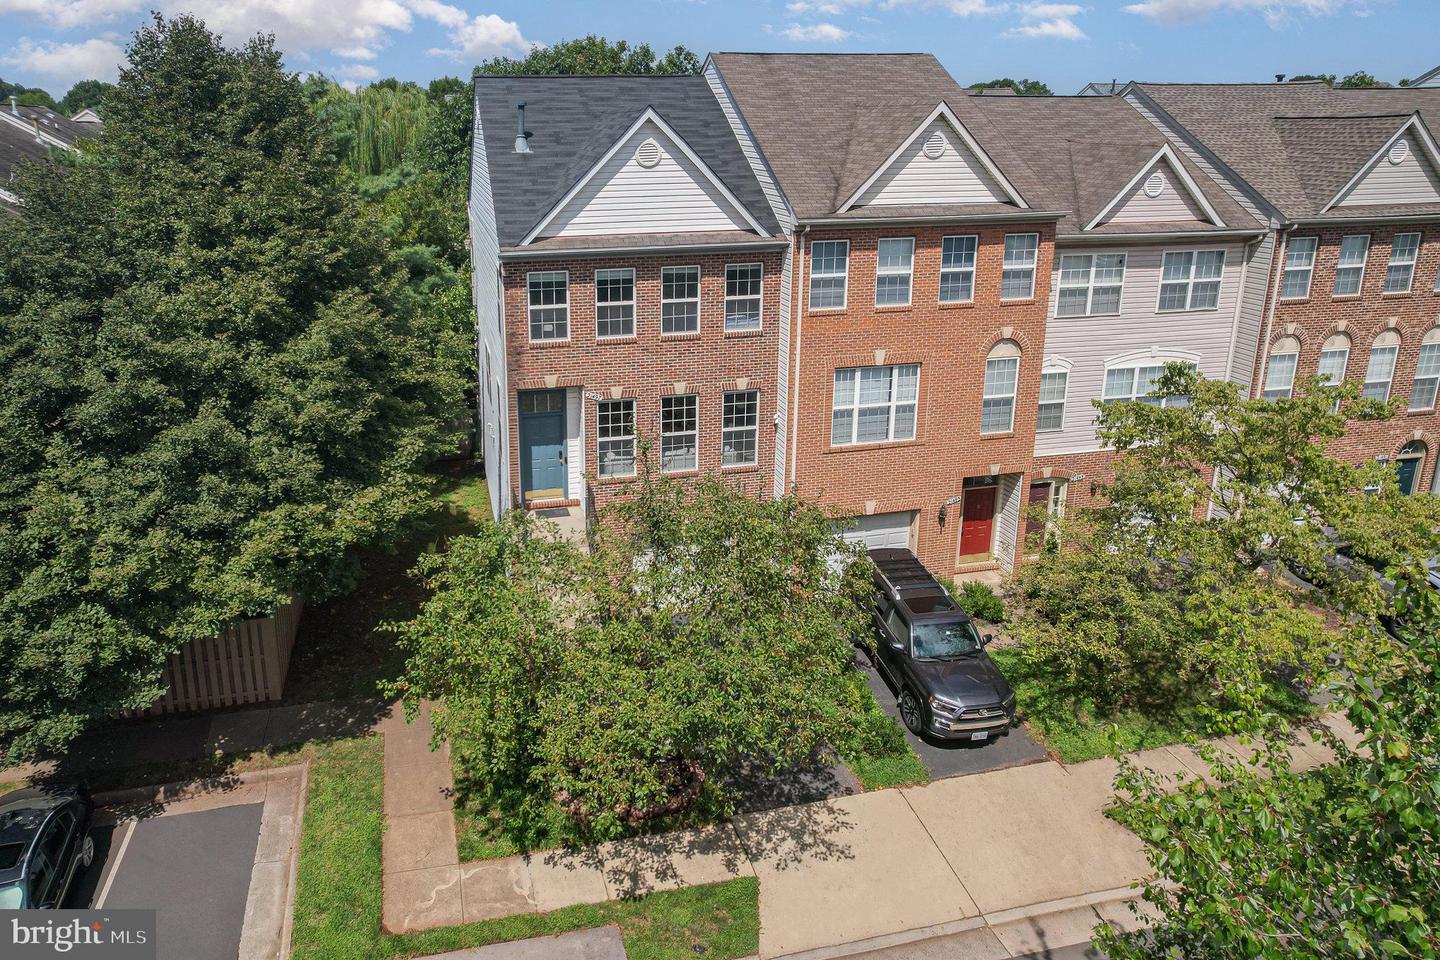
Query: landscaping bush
[{"x": 980, "y": 601}]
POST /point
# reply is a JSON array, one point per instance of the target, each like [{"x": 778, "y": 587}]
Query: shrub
[{"x": 980, "y": 601}]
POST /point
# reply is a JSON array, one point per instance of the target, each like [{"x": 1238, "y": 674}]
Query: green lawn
[
  {"x": 879, "y": 754},
  {"x": 1077, "y": 731},
  {"x": 338, "y": 888}
]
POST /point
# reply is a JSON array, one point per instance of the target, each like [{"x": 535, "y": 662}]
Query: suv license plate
[{"x": 980, "y": 735}]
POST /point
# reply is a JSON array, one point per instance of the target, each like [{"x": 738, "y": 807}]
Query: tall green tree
[
  {"x": 87, "y": 93},
  {"x": 594, "y": 54},
  {"x": 213, "y": 385},
  {"x": 1024, "y": 88},
  {"x": 26, "y": 96},
  {"x": 705, "y": 630}
]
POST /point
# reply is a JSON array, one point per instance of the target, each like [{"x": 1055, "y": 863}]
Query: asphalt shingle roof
[
  {"x": 1260, "y": 131},
  {"x": 17, "y": 147},
  {"x": 574, "y": 120},
  {"x": 56, "y": 124}
]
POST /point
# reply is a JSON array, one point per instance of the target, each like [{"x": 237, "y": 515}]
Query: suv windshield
[
  {"x": 12, "y": 897},
  {"x": 955, "y": 639}
]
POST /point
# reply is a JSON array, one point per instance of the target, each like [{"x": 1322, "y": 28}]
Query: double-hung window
[
  {"x": 1090, "y": 284},
  {"x": 957, "y": 269},
  {"x": 1190, "y": 280},
  {"x": 1299, "y": 267},
  {"x": 615, "y": 303},
  {"x": 1427, "y": 373},
  {"x": 894, "y": 263},
  {"x": 615, "y": 428},
  {"x": 1138, "y": 383},
  {"x": 1017, "y": 275},
  {"x": 743, "y": 284},
  {"x": 1334, "y": 358},
  {"x": 1380, "y": 371},
  {"x": 1280, "y": 372},
  {"x": 549, "y": 305},
  {"x": 1051, "y": 415},
  {"x": 740, "y": 432},
  {"x": 874, "y": 404},
  {"x": 679, "y": 300},
  {"x": 1400, "y": 271},
  {"x": 1350, "y": 270},
  {"x": 829, "y": 270},
  {"x": 1002, "y": 374},
  {"x": 679, "y": 433}
]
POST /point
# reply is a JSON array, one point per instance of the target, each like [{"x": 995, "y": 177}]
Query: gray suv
[{"x": 933, "y": 657}]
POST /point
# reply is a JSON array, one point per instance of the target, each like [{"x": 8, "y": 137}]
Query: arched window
[
  {"x": 1334, "y": 358},
  {"x": 1280, "y": 374},
  {"x": 1410, "y": 466},
  {"x": 1381, "y": 369},
  {"x": 1427, "y": 372},
  {"x": 1002, "y": 374}
]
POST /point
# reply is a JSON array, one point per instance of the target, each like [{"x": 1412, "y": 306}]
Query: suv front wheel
[{"x": 912, "y": 712}]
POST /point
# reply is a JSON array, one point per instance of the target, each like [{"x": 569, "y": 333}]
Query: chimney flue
[
  {"x": 14, "y": 107},
  {"x": 522, "y": 136},
  {"x": 1279, "y": 78}
]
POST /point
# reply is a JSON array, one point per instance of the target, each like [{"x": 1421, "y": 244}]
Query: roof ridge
[{"x": 1344, "y": 116}]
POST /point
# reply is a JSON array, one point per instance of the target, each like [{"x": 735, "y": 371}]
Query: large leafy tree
[
  {"x": 26, "y": 96},
  {"x": 1024, "y": 88},
  {"x": 594, "y": 54},
  {"x": 706, "y": 629},
  {"x": 1220, "y": 557},
  {"x": 87, "y": 93},
  {"x": 212, "y": 386}
]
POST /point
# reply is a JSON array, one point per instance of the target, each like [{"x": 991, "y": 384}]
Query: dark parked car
[
  {"x": 44, "y": 843},
  {"x": 933, "y": 657}
]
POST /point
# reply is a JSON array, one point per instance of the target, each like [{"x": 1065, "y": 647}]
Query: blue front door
[
  {"x": 1408, "y": 474},
  {"x": 542, "y": 445}
]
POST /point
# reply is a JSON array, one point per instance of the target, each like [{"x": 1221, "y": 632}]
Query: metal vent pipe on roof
[
  {"x": 14, "y": 107},
  {"x": 522, "y": 136}
]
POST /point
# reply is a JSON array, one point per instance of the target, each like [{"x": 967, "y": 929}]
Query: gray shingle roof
[
  {"x": 17, "y": 147},
  {"x": 826, "y": 122},
  {"x": 1259, "y": 131},
  {"x": 574, "y": 120},
  {"x": 52, "y": 122},
  {"x": 1082, "y": 151}
]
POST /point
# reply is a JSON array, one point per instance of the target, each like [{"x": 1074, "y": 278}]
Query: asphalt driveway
[
  {"x": 954, "y": 758},
  {"x": 194, "y": 868}
]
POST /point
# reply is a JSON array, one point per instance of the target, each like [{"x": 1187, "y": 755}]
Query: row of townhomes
[{"x": 849, "y": 276}]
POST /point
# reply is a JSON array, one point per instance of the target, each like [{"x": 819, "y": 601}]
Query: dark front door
[
  {"x": 542, "y": 445},
  {"x": 1408, "y": 474},
  {"x": 977, "y": 522},
  {"x": 1035, "y": 520}
]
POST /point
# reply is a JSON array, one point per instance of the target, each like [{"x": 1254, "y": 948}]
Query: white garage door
[{"x": 879, "y": 530}]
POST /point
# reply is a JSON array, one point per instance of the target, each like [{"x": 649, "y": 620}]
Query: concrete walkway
[{"x": 987, "y": 850}]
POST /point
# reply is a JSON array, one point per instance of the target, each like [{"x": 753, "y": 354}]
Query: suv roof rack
[{"x": 912, "y": 585}]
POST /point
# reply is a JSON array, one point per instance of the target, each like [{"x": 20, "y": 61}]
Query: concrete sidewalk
[{"x": 989, "y": 850}]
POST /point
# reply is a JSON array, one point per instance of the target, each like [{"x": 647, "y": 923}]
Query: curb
[{"x": 186, "y": 789}]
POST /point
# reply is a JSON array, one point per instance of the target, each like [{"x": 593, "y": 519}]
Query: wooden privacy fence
[{"x": 246, "y": 663}]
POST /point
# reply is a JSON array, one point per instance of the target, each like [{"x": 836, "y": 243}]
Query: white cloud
[
  {"x": 64, "y": 63},
  {"x": 1275, "y": 11},
  {"x": 358, "y": 71},
  {"x": 1048, "y": 20},
  {"x": 815, "y": 32},
  {"x": 961, "y": 8},
  {"x": 828, "y": 8},
  {"x": 484, "y": 36},
  {"x": 442, "y": 13},
  {"x": 66, "y": 14}
]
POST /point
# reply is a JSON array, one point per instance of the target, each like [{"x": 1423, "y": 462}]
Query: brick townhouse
[
  {"x": 1349, "y": 181},
  {"x": 921, "y": 279},
  {"x": 627, "y": 288}
]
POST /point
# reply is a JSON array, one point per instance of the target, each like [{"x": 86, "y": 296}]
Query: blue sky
[{"x": 52, "y": 43}]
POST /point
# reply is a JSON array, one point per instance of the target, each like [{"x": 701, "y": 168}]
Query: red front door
[{"x": 978, "y": 521}]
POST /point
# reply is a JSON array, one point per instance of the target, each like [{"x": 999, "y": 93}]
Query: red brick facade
[
  {"x": 648, "y": 365},
  {"x": 950, "y": 342},
  {"x": 1411, "y": 315}
]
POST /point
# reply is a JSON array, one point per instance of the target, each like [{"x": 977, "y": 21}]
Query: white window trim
[
  {"x": 1412, "y": 263},
  {"x": 634, "y": 321},
  {"x": 1089, "y": 285},
  {"x": 1033, "y": 268},
  {"x": 1190, "y": 282},
  {"x": 844, "y": 286},
  {"x": 855, "y": 407},
  {"x": 1265, "y": 388},
  {"x": 1285, "y": 269},
  {"x": 699, "y": 285},
  {"x": 725, "y": 314},
  {"x": 975, "y": 265},
  {"x": 1012, "y": 396},
  {"x": 529, "y": 309},
  {"x": 1417, "y": 378},
  {"x": 1136, "y": 364},
  {"x": 1340, "y": 265},
  {"x": 727, "y": 431},
  {"x": 696, "y": 432},
  {"x": 634, "y": 453},
  {"x": 890, "y": 272},
  {"x": 1394, "y": 362},
  {"x": 1064, "y": 400}
]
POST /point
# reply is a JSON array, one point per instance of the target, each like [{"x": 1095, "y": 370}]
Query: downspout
[{"x": 801, "y": 296}]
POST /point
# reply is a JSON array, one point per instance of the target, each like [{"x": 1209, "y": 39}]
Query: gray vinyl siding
[
  {"x": 1173, "y": 205},
  {"x": 674, "y": 196},
  {"x": 1087, "y": 343},
  {"x": 957, "y": 176},
  {"x": 1250, "y": 318},
  {"x": 1007, "y": 521},
  {"x": 1412, "y": 180},
  {"x": 783, "y": 215},
  {"x": 489, "y": 327}
]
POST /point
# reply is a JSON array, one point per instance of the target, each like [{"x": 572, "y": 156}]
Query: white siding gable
[
  {"x": 675, "y": 195},
  {"x": 1172, "y": 204},
  {"x": 1412, "y": 180},
  {"x": 956, "y": 175}
]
